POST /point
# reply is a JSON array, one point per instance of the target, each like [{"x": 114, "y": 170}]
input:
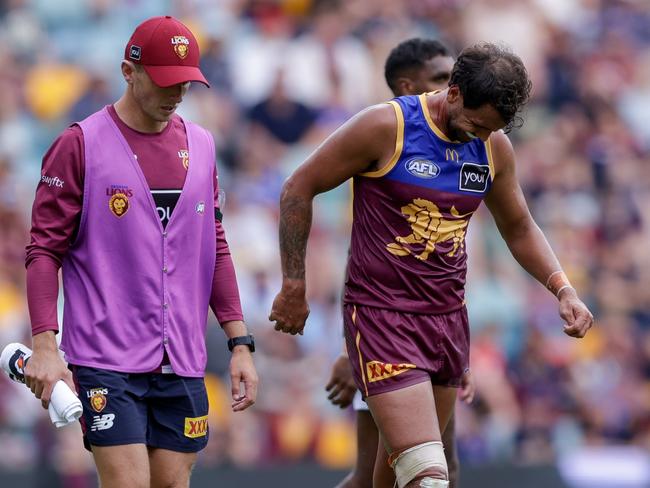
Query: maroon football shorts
[{"x": 390, "y": 350}]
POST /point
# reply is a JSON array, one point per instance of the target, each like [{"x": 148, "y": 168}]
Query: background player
[
  {"x": 414, "y": 66},
  {"x": 135, "y": 225},
  {"x": 421, "y": 166}
]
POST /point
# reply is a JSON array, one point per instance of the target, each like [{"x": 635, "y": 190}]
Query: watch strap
[{"x": 246, "y": 340}]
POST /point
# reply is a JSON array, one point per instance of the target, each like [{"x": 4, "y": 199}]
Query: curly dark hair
[
  {"x": 489, "y": 74},
  {"x": 411, "y": 54}
]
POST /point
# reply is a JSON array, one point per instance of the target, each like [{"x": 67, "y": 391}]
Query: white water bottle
[{"x": 64, "y": 407}]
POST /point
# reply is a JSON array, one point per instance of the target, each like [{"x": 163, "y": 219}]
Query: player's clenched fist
[
  {"x": 290, "y": 309},
  {"x": 575, "y": 313}
]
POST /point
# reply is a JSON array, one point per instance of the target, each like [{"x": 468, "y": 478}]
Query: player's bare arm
[
  {"x": 525, "y": 239},
  {"x": 365, "y": 142}
]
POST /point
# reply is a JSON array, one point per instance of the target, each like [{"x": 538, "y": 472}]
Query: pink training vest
[{"x": 133, "y": 289}]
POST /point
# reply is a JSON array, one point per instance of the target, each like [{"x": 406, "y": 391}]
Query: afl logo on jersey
[{"x": 422, "y": 168}]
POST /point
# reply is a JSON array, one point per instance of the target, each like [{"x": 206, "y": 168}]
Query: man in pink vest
[{"x": 134, "y": 221}]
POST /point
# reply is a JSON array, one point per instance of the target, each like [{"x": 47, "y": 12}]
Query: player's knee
[
  {"x": 432, "y": 478},
  {"x": 422, "y": 466},
  {"x": 178, "y": 480}
]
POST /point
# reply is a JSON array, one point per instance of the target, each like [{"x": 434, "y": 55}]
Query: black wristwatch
[{"x": 246, "y": 340}]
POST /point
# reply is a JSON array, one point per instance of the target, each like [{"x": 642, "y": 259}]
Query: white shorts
[{"x": 358, "y": 404}]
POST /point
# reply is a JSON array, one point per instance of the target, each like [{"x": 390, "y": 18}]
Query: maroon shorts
[{"x": 390, "y": 350}]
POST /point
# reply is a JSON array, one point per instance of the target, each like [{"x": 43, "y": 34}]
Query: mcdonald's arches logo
[{"x": 451, "y": 154}]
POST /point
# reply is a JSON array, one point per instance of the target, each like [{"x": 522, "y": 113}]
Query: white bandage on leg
[
  {"x": 416, "y": 459},
  {"x": 433, "y": 483}
]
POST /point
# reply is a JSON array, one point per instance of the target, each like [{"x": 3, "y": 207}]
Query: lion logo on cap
[
  {"x": 119, "y": 204},
  {"x": 181, "y": 46}
]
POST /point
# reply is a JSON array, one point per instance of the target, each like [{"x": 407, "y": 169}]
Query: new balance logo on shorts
[{"x": 102, "y": 422}]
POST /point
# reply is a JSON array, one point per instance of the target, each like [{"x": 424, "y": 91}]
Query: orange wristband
[{"x": 557, "y": 281}]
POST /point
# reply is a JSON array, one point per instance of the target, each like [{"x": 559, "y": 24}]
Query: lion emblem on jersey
[
  {"x": 119, "y": 204},
  {"x": 430, "y": 229}
]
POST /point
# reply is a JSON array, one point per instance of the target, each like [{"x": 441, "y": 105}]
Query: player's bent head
[
  {"x": 410, "y": 56},
  {"x": 489, "y": 74}
]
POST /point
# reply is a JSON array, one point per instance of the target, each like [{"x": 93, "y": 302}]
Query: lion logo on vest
[
  {"x": 430, "y": 228},
  {"x": 119, "y": 204}
]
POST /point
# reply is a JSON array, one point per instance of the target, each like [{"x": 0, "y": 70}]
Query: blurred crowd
[{"x": 284, "y": 75}]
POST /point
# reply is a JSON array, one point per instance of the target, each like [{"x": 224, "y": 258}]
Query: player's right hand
[
  {"x": 341, "y": 386},
  {"x": 45, "y": 367},
  {"x": 290, "y": 309}
]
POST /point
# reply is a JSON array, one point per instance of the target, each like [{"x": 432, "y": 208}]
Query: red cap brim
[{"x": 165, "y": 76}]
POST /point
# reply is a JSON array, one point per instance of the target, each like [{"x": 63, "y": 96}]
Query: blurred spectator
[
  {"x": 282, "y": 117},
  {"x": 96, "y": 96},
  {"x": 327, "y": 65}
]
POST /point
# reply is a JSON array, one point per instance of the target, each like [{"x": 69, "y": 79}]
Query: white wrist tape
[
  {"x": 416, "y": 459},
  {"x": 557, "y": 293}
]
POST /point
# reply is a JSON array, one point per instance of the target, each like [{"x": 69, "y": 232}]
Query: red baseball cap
[{"x": 167, "y": 50}]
